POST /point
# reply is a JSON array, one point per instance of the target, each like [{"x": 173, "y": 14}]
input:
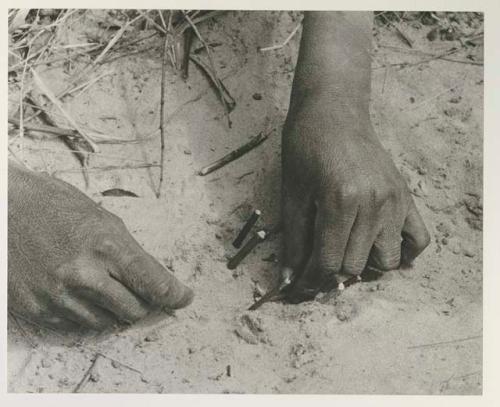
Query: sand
[{"x": 413, "y": 331}]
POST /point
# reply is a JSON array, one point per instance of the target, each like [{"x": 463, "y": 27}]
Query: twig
[
  {"x": 443, "y": 55},
  {"x": 17, "y": 158},
  {"x": 22, "y": 330},
  {"x": 163, "y": 91},
  {"x": 257, "y": 238},
  {"x": 115, "y": 39},
  {"x": 84, "y": 86},
  {"x": 62, "y": 132},
  {"x": 162, "y": 19},
  {"x": 212, "y": 66},
  {"x": 77, "y": 344},
  {"x": 401, "y": 34},
  {"x": 109, "y": 168},
  {"x": 21, "y": 99},
  {"x": 226, "y": 98},
  {"x": 235, "y": 154},
  {"x": 81, "y": 156},
  {"x": 50, "y": 95},
  {"x": 428, "y": 345},
  {"x": 198, "y": 20},
  {"x": 153, "y": 22},
  {"x": 287, "y": 40},
  {"x": 188, "y": 41},
  {"x": 44, "y": 129},
  {"x": 110, "y": 156},
  {"x": 247, "y": 227},
  {"x": 423, "y": 102},
  {"x": 87, "y": 374}
]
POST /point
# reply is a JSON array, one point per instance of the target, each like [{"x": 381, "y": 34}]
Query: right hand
[
  {"x": 72, "y": 263},
  {"x": 345, "y": 204}
]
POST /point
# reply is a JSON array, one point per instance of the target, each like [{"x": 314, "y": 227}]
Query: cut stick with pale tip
[
  {"x": 247, "y": 227},
  {"x": 235, "y": 154},
  {"x": 259, "y": 237}
]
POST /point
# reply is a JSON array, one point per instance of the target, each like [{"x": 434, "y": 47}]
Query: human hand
[
  {"x": 344, "y": 203},
  {"x": 72, "y": 263}
]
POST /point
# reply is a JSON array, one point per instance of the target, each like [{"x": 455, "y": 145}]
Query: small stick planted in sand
[
  {"x": 252, "y": 220},
  {"x": 277, "y": 292},
  {"x": 235, "y": 154},
  {"x": 259, "y": 237}
]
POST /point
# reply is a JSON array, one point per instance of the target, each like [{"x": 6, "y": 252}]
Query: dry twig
[
  {"x": 216, "y": 79},
  {"x": 287, "y": 40},
  {"x": 235, "y": 154},
  {"x": 162, "y": 111},
  {"x": 429, "y": 345}
]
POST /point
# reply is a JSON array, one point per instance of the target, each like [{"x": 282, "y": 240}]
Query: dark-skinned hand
[{"x": 74, "y": 264}]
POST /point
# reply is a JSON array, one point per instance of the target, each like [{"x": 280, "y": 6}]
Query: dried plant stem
[
  {"x": 162, "y": 111},
  {"x": 287, "y": 40},
  {"x": 212, "y": 65},
  {"x": 108, "y": 168},
  {"x": 81, "y": 156},
  {"x": 55, "y": 101},
  {"x": 87, "y": 374},
  {"x": 235, "y": 154}
]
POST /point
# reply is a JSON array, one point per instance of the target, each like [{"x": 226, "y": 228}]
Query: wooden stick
[
  {"x": 427, "y": 345},
  {"x": 81, "y": 156},
  {"x": 249, "y": 224},
  {"x": 162, "y": 111},
  {"x": 287, "y": 40},
  {"x": 276, "y": 293},
  {"x": 259, "y": 237},
  {"x": 88, "y": 348},
  {"x": 188, "y": 41},
  {"x": 226, "y": 98},
  {"x": 45, "y": 129},
  {"x": 235, "y": 154},
  {"x": 109, "y": 168},
  {"x": 87, "y": 374},
  {"x": 45, "y": 89},
  {"x": 212, "y": 65}
]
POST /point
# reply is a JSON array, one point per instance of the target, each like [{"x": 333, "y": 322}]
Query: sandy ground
[{"x": 415, "y": 331}]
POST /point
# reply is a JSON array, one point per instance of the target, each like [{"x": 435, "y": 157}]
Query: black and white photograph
[{"x": 210, "y": 201}]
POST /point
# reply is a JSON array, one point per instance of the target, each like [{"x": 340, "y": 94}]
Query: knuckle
[
  {"x": 353, "y": 267},
  {"x": 386, "y": 263},
  {"x": 350, "y": 193},
  {"x": 106, "y": 244},
  {"x": 328, "y": 264},
  {"x": 388, "y": 256}
]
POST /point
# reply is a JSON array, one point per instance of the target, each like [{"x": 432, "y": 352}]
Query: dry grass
[{"x": 37, "y": 41}]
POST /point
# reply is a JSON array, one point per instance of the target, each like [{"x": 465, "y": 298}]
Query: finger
[
  {"x": 386, "y": 251},
  {"x": 114, "y": 297},
  {"x": 298, "y": 227},
  {"x": 83, "y": 313},
  {"x": 415, "y": 236},
  {"x": 331, "y": 234},
  {"x": 142, "y": 274},
  {"x": 151, "y": 282},
  {"x": 359, "y": 245}
]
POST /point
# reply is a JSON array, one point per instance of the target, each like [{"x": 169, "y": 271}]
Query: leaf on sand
[{"x": 118, "y": 192}]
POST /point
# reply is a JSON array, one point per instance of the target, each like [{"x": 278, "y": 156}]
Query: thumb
[{"x": 142, "y": 274}]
